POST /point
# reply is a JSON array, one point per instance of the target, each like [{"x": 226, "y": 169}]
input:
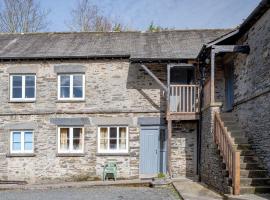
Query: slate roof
[{"x": 178, "y": 44}]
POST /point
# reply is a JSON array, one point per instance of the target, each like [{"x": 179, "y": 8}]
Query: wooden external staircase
[{"x": 246, "y": 173}]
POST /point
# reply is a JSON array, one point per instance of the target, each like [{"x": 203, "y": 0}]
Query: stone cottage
[{"x": 151, "y": 102}]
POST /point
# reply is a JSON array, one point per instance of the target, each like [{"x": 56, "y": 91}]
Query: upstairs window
[
  {"x": 113, "y": 140},
  {"x": 21, "y": 142},
  {"x": 22, "y": 87},
  {"x": 71, "y": 87}
]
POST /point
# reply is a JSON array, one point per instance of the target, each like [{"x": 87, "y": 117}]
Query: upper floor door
[{"x": 229, "y": 93}]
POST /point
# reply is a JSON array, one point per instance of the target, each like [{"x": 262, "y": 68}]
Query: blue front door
[{"x": 149, "y": 150}]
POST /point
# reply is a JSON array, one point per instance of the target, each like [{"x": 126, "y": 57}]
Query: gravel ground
[{"x": 93, "y": 193}]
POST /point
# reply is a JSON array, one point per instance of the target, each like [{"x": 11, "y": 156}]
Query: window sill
[
  {"x": 20, "y": 155},
  {"x": 112, "y": 154},
  {"x": 22, "y": 101},
  {"x": 71, "y": 101},
  {"x": 70, "y": 154}
]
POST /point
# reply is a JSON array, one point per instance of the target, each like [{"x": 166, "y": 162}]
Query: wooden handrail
[
  {"x": 184, "y": 98},
  {"x": 230, "y": 154}
]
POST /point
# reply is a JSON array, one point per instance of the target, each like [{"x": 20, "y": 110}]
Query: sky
[{"x": 177, "y": 14}]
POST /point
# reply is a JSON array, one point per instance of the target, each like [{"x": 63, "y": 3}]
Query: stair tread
[
  {"x": 257, "y": 178},
  {"x": 256, "y": 186}
]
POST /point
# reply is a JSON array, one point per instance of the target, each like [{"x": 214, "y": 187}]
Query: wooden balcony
[{"x": 183, "y": 102}]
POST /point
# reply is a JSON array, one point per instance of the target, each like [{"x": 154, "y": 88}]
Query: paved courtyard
[{"x": 93, "y": 193}]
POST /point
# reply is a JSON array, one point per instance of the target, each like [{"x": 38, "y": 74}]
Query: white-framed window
[
  {"x": 23, "y": 87},
  {"x": 22, "y": 141},
  {"x": 70, "y": 139},
  {"x": 71, "y": 86},
  {"x": 113, "y": 139}
]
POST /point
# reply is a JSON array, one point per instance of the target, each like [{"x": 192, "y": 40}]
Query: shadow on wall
[
  {"x": 148, "y": 89},
  {"x": 184, "y": 148}
]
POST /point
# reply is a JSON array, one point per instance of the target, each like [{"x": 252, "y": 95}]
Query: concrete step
[
  {"x": 249, "y": 159},
  {"x": 254, "y": 181},
  {"x": 254, "y": 189},
  {"x": 247, "y": 153},
  {"x": 240, "y": 140},
  {"x": 253, "y": 173},
  {"x": 243, "y": 146},
  {"x": 237, "y": 133},
  {"x": 233, "y": 127},
  {"x": 250, "y": 166},
  {"x": 227, "y": 114},
  {"x": 231, "y": 123}
]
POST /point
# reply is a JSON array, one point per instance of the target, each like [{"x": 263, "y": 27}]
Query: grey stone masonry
[
  {"x": 252, "y": 88},
  {"x": 116, "y": 93},
  {"x": 184, "y": 149}
]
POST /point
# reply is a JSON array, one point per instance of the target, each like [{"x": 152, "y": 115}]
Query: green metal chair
[{"x": 110, "y": 170}]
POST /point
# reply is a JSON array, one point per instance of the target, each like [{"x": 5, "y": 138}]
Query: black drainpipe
[{"x": 199, "y": 124}]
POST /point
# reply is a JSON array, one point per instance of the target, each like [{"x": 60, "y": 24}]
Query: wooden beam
[
  {"x": 164, "y": 87},
  {"x": 169, "y": 141},
  {"x": 231, "y": 48}
]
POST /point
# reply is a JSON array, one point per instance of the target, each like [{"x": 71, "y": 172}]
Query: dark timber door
[{"x": 229, "y": 87}]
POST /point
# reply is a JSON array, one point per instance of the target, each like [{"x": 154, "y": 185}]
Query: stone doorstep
[
  {"x": 193, "y": 190},
  {"x": 83, "y": 184}
]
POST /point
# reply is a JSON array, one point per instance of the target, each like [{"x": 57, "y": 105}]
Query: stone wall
[
  {"x": 47, "y": 165},
  {"x": 211, "y": 162},
  {"x": 111, "y": 86},
  {"x": 114, "y": 89},
  {"x": 252, "y": 87},
  {"x": 184, "y": 149}
]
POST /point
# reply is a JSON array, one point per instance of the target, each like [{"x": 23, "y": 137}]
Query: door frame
[{"x": 158, "y": 128}]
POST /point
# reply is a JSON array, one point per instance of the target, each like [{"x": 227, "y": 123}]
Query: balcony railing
[{"x": 184, "y": 98}]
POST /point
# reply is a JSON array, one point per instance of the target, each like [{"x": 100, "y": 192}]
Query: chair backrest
[{"x": 111, "y": 164}]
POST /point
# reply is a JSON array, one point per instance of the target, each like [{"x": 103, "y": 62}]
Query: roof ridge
[{"x": 116, "y": 32}]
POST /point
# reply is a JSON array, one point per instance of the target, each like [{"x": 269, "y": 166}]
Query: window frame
[
  {"x": 70, "y": 98},
  {"x": 22, "y": 150},
  {"x": 70, "y": 150},
  {"x": 117, "y": 150},
  {"x": 23, "y": 98}
]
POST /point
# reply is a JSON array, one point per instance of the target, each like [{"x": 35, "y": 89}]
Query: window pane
[
  {"x": 64, "y": 92},
  {"x": 17, "y": 93},
  {"x": 77, "y": 139},
  {"x": 28, "y": 146},
  {"x": 113, "y": 132},
  {"x": 16, "y": 137},
  {"x": 77, "y": 92},
  {"x": 103, "y": 144},
  {"x": 122, "y": 144},
  {"x": 77, "y": 133},
  {"x": 103, "y": 133},
  {"x": 77, "y": 80},
  {"x": 113, "y": 144},
  {"x": 30, "y": 81},
  {"x": 17, "y": 81},
  {"x": 64, "y": 138},
  {"x": 122, "y": 137},
  {"x": 65, "y": 80},
  {"x": 28, "y": 137},
  {"x": 29, "y": 92},
  {"x": 16, "y": 146},
  {"x": 122, "y": 132}
]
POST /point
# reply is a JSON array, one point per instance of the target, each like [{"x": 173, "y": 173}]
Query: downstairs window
[
  {"x": 21, "y": 142},
  {"x": 70, "y": 140},
  {"x": 113, "y": 140}
]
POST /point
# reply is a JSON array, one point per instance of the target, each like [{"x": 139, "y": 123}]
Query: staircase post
[{"x": 236, "y": 173}]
